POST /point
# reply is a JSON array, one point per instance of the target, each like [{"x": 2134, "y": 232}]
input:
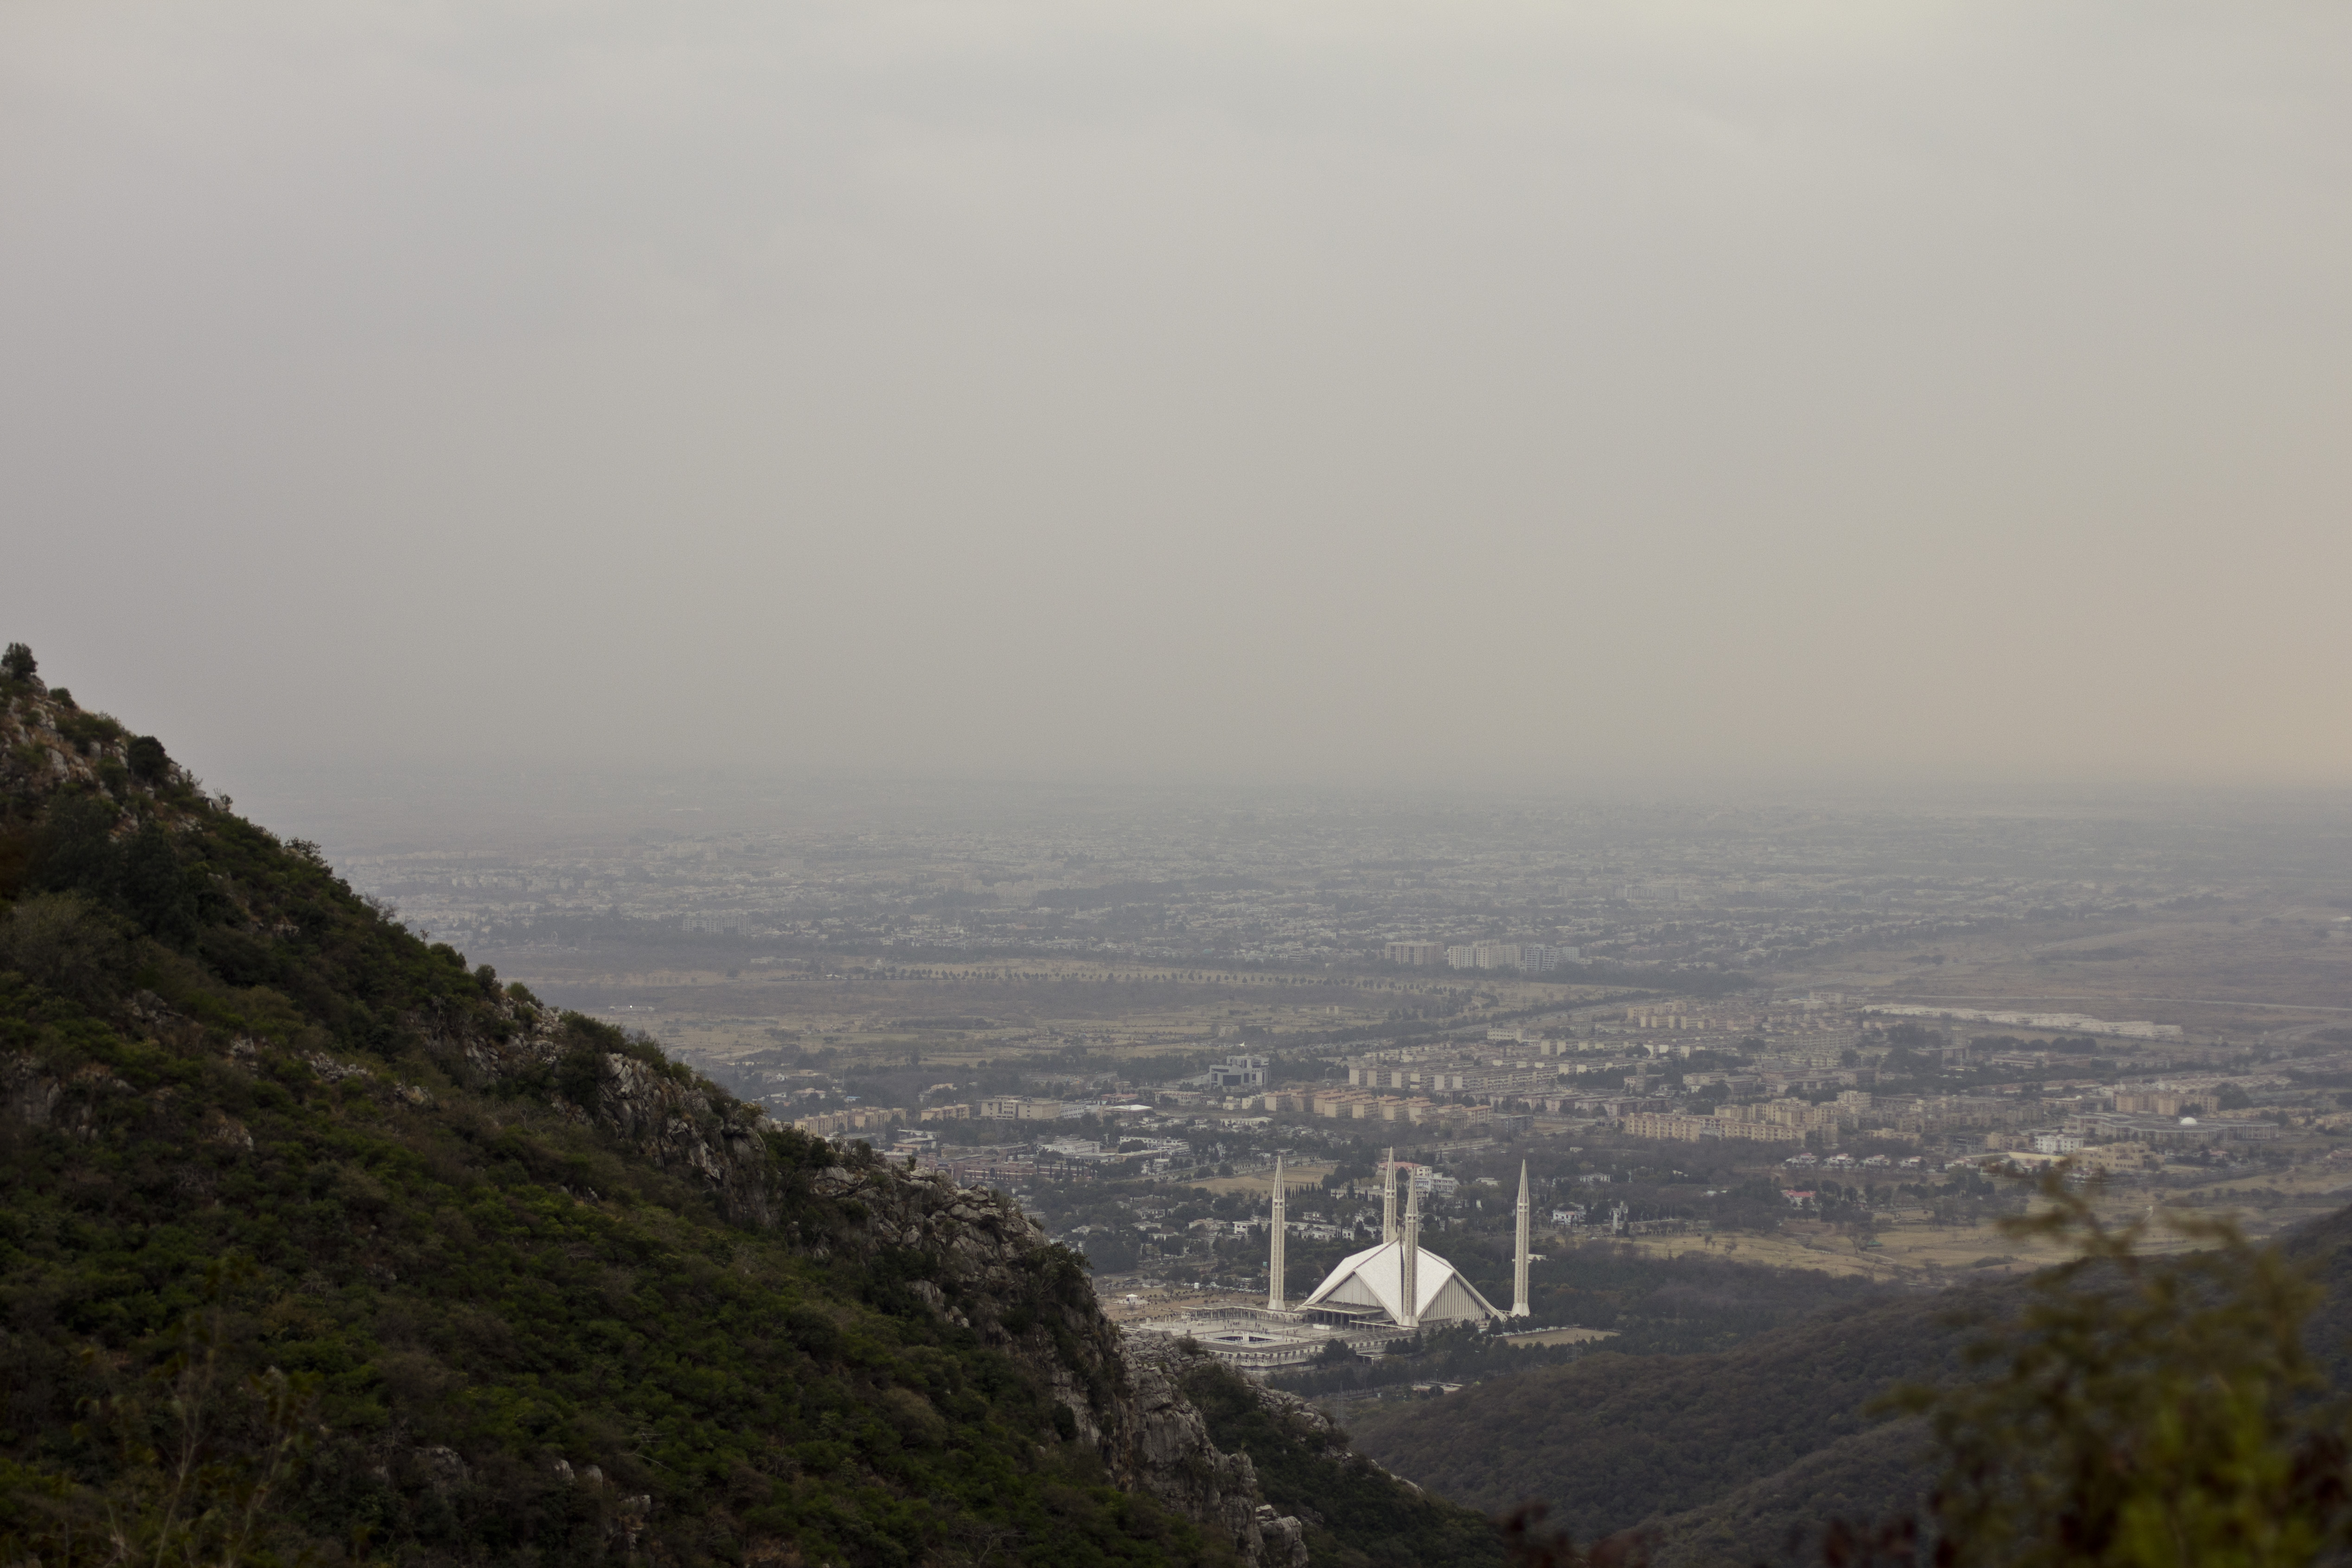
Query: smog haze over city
[{"x": 1701, "y": 397}]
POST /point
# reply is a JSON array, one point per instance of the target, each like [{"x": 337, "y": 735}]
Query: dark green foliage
[
  {"x": 74, "y": 848},
  {"x": 580, "y": 1074},
  {"x": 154, "y": 891},
  {"x": 66, "y": 944},
  {"x": 148, "y": 763},
  {"x": 1355, "y": 1516},
  {"x": 18, "y": 663}
]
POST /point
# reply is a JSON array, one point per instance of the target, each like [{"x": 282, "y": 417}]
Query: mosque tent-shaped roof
[{"x": 1375, "y": 1277}]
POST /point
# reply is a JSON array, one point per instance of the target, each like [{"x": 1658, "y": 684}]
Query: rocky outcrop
[
  {"x": 27, "y": 1095},
  {"x": 71, "y": 1104},
  {"x": 678, "y": 1121},
  {"x": 1171, "y": 1458}
]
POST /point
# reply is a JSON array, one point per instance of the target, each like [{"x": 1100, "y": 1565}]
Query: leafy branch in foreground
[{"x": 2141, "y": 1411}]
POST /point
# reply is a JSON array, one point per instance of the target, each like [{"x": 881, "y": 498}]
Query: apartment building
[
  {"x": 2165, "y": 1103},
  {"x": 833, "y": 1123},
  {"x": 1531, "y": 956},
  {"x": 1020, "y": 1107}
]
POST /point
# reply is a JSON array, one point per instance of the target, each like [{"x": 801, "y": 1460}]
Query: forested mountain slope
[
  {"x": 318, "y": 1244},
  {"x": 1613, "y": 1440}
]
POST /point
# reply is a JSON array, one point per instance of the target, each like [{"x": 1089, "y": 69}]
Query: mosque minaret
[
  {"x": 1519, "y": 1308},
  {"x": 1274, "y": 1302},
  {"x": 1388, "y": 1198},
  {"x": 1409, "y": 1315}
]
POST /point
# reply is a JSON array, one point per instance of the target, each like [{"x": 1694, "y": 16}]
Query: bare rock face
[
  {"x": 1171, "y": 1458},
  {"x": 27, "y": 1094},
  {"x": 673, "y": 1121},
  {"x": 72, "y": 1105}
]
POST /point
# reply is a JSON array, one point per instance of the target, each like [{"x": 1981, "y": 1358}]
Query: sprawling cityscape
[{"x": 1827, "y": 1030}]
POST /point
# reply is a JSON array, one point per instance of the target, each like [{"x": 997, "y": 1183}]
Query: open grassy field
[
  {"x": 2260, "y": 966},
  {"x": 963, "y": 1015},
  {"x": 1302, "y": 1175},
  {"x": 2262, "y": 1204}
]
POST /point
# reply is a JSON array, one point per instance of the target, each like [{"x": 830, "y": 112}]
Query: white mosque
[{"x": 1384, "y": 1293}]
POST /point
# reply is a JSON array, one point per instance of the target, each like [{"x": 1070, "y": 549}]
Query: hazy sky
[{"x": 1328, "y": 390}]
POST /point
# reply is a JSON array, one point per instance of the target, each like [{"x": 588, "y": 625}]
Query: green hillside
[{"x": 319, "y": 1245}]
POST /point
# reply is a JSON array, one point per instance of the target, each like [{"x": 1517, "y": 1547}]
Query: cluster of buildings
[
  {"x": 989, "y": 1108},
  {"x": 2122, "y": 1126},
  {"x": 1800, "y": 1072},
  {"x": 1532, "y": 957}
]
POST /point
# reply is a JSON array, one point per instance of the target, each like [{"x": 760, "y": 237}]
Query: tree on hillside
[
  {"x": 2138, "y": 1411},
  {"x": 2142, "y": 1411}
]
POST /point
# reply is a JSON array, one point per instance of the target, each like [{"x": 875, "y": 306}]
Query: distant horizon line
[{"x": 1610, "y": 790}]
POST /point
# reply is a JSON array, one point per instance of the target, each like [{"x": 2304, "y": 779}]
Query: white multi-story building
[
  {"x": 1531, "y": 956},
  {"x": 1020, "y": 1107},
  {"x": 1239, "y": 1072}
]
